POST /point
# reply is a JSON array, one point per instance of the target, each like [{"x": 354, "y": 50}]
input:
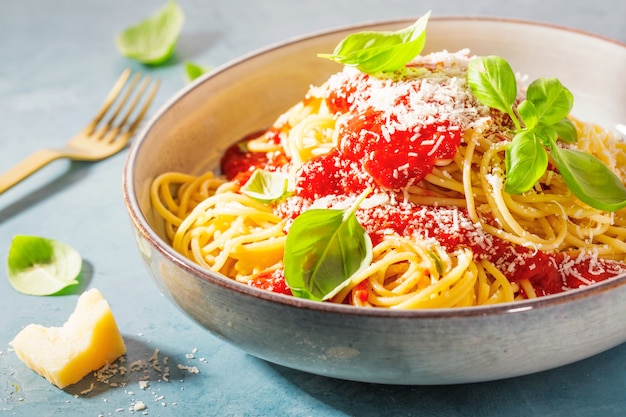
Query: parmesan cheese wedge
[{"x": 89, "y": 340}]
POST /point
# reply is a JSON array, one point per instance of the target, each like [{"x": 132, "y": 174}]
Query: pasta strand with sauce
[{"x": 444, "y": 231}]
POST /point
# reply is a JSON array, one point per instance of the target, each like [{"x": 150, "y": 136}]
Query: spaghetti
[{"x": 444, "y": 232}]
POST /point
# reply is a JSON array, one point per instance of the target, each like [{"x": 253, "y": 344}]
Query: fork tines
[{"x": 119, "y": 95}]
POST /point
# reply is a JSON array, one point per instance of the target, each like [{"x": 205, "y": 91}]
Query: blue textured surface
[{"x": 58, "y": 61}]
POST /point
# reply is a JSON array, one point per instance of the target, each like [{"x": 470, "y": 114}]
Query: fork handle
[{"x": 26, "y": 167}]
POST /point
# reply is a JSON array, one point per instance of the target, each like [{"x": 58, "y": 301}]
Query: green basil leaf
[
  {"x": 552, "y": 100},
  {"x": 589, "y": 179},
  {"x": 265, "y": 186},
  {"x": 528, "y": 113},
  {"x": 493, "y": 82},
  {"x": 193, "y": 70},
  {"x": 526, "y": 160},
  {"x": 153, "y": 40},
  {"x": 40, "y": 266},
  {"x": 323, "y": 250},
  {"x": 546, "y": 134},
  {"x": 386, "y": 51},
  {"x": 566, "y": 130},
  {"x": 438, "y": 262}
]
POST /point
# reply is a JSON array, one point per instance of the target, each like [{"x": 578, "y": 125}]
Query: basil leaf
[
  {"x": 552, "y": 100},
  {"x": 566, "y": 130},
  {"x": 153, "y": 40},
  {"x": 373, "y": 52},
  {"x": 40, "y": 266},
  {"x": 546, "y": 134},
  {"x": 526, "y": 160},
  {"x": 528, "y": 113},
  {"x": 193, "y": 70},
  {"x": 589, "y": 179},
  {"x": 323, "y": 250},
  {"x": 493, "y": 82},
  {"x": 438, "y": 262},
  {"x": 265, "y": 186}
]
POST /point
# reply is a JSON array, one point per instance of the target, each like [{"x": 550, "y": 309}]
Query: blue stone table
[{"x": 58, "y": 59}]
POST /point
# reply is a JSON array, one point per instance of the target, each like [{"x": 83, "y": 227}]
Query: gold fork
[{"x": 97, "y": 140}]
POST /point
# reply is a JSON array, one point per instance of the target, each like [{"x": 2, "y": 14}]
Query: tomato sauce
[
  {"x": 330, "y": 174},
  {"x": 238, "y": 163},
  {"x": 396, "y": 160},
  {"x": 273, "y": 281}
]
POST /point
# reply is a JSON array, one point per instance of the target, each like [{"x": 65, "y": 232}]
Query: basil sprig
[
  {"x": 323, "y": 250},
  {"x": 385, "y": 51},
  {"x": 541, "y": 123}
]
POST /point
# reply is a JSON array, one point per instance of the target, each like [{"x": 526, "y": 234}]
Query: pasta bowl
[{"x": 194, "y": 128}]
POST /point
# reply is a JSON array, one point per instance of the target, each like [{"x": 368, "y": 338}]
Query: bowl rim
[{"x": 142, "y": 226}]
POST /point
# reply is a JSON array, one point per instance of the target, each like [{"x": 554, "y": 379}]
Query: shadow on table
[
  {"x": 76, "y": 172},
  {"x": 140, "y": 368},
  {"x": 595, "y": 386}
]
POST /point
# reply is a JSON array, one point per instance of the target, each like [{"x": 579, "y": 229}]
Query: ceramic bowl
[{"x": 192, "y": 130}]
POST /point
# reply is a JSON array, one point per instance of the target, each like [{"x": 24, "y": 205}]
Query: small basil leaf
[
  {"x": 551, "y": 99},
  {"x": 153, "y": 40},
  {"x": 566, "y": 130},
  {"x": 373, "y": 52},
  {"x": 528, "y": 114},
  {"x": 526, "y": 161},
  {"x": 589, "y": 179},
  {"x": 493, "y": 82},
  {"x": 242, "y": 146},
  {"x": 40, "y": 266},
  {"x": 323, "y": 250},
  {"x": 437, "y": 259},
  {"x": 193, "y": 70},
  {"x": 266, "y": 186}
]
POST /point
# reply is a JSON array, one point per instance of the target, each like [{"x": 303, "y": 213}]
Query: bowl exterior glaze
[{"x": 193, "y": 129}]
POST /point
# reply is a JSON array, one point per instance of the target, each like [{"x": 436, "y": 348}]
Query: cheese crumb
[
  {"x": 190, "y": 369},
  {"x": 138, "y": 406}
]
